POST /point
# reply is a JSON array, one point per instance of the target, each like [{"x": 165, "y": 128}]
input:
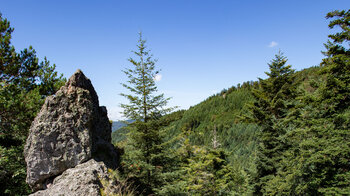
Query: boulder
[
  {"x": 71, "y": 128},
  {"x": 84, "y": 179}
]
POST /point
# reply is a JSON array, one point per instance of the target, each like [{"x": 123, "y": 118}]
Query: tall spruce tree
[
  {"x": 143, "y": 103},
  {"x": 336, "y": 92},
  {"x": 145, "y": 157},
  {"x": 273, "y": 99},
  {"x": 332, "y": 124}
]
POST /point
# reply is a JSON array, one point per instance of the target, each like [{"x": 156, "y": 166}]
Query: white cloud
[
  {"x": 273, "y": 44},
  {"x": 158, "y": 77}
]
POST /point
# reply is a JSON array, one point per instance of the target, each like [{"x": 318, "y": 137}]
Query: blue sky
[{"x": 202, "y": 46}]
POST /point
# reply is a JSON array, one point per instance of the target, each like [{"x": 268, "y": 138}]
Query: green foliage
[
  {"x": 143, "y": 103},
  {"x": 285, "y": 135},
  {"x": 208, "y": 173},
  {"x": 119, "y": 131},
  {"x": 145, "y": 158},
  {"x": 317, "y": 159},
  {"x": 119, "y": 135},
  {"x": 274, "y": 100},
  {"x": 238, "y": 139},
  {"x": 13, "y": 171},
  {"x": 337, "y": 45},
  {"x": 199, "y": 170},
  {"x": 217, "y": 111},
  {"x": 25, "y": 82},
  {"x": 194, "y": 129}
]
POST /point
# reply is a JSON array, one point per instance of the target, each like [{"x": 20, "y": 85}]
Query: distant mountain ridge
[{"x": 120, "y": 124}]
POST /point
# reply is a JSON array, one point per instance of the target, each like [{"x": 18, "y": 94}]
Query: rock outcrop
[{"x": 70, "y": 129}]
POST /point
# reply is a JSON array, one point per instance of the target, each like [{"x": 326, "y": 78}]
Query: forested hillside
[
  {"x": 286, "y": 134},
  {"x": 221, "y": 116},
  {"x": 119, "y": 124},
  {"x": 223, "y": 113}
]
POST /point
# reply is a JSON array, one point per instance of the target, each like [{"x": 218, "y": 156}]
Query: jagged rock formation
[{"x": 70, "y": 129}]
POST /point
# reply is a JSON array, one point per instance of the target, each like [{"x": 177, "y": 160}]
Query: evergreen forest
[{"x": 287, "y": 134}]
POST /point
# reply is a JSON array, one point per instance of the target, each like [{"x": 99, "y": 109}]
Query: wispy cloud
[
  {"x": 273, "y": 44},
  {"x": 158, "y": 77}
]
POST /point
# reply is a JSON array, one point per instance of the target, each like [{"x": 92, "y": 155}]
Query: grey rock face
[
  {"x": 84, "y": 179},
  {"x": 71, "y": 128}
]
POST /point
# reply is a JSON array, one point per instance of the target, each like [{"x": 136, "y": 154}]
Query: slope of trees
[
  {"x": 287, "y": 134},
  {"x": 189, "y": 136}
]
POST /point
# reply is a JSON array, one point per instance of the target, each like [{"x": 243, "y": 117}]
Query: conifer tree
[
  {"x": 24, "y": 84},
  {"x": 317, "y": 162},
  {"x": 273, "y": 99},
  {"x": 143, "y": 103},
  {"x": 207, "y": 173},
  {"x": 201, "y": 171},
  {"x": 331, "y": 123},
  {"x": 145, "y": 157},
  {"x": 337, "y": 89}
]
